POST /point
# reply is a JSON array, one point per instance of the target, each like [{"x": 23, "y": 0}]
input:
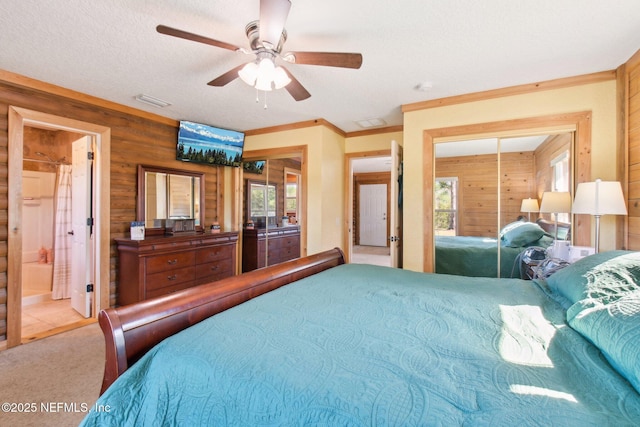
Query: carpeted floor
[{"x": 52, "y": 381}]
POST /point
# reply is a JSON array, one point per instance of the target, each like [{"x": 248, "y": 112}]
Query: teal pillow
[
  {"x": 602, "y": 273},
  {"x": 615, "y": 329},
  {"x": 603, "y": 293},
  {"x": 520, "y": 234}
]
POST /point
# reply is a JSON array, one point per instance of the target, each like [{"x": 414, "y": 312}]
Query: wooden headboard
[
  {"x": 564, "y": 229},
  {"x": 132, "y": 330}
]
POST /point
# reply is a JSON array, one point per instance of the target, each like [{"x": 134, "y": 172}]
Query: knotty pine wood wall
[
  {"x": 522, "y": 175},
  {"x": 478, "y": 189},
  {"x": 134, "y": 139},
  {"x": 631, "y": 95},
  {"x": 551, "y": 148}
]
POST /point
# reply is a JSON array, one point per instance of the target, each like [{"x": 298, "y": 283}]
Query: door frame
[
  {"x": 18, "y": 119},
  {"x": 349, "y": 191}
]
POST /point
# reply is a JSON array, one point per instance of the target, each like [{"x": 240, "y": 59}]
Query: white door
[
  {"x": 81, "y": 248},
  {"x": 395, "y": 209},
  {"x": 373, "y": 214}
]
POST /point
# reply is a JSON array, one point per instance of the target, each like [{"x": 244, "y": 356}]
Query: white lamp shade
[
  {"x": 599, "y": 198},
  {"x": 249, "y": 73},
  {"x": 280, "y": 78},
  {"x": 555, "y": 202},
  {"x": 529, "y": 205}
]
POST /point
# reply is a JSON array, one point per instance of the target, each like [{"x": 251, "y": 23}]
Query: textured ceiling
[{"x": 110, "y": 49}]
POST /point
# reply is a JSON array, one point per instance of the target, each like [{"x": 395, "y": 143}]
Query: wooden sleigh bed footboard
[{"x": 130, "y": 331}]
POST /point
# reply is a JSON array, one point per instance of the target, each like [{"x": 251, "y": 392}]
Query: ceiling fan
[{"x": 266, "y": 39}]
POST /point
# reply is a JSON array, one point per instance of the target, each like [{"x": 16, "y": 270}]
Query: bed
[
  {"x": 478, "y": 256},
  {"x": 318, "y": 342}
]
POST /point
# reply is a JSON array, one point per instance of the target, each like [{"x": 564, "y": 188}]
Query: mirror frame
[
  {"x": 141, "y": 200},
  {"x": 578, "y": 122}
]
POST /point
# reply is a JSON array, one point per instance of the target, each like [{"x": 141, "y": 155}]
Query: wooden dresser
[
  {"x": 283, "y": 244},
  {"x": 160, "y": 265}
]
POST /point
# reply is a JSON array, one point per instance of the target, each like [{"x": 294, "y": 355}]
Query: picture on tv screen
[{"x": 210, "y": 145}]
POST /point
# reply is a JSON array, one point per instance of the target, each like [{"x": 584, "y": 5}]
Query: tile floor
[
  {"x": 376, "y": 255},
  {"x": 41, "y": 317}
]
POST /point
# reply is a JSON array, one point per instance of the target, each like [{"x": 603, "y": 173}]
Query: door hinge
[
  {"x": 90, "y": 222},
  {"x": 90, "y": 287},
  {"x": 90, "y": 155}
]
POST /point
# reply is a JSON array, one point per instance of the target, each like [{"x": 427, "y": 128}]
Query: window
[
  {"x": 561, "y": 173},
  {"x": 446, "y": 206},
  {"x": 291, "y": 199},
  {"x": 292, "y": 195},
  {"x": 263, "y": 200}
]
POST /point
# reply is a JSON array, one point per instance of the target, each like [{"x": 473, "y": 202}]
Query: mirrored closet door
[{"x": 487, "y": 194}]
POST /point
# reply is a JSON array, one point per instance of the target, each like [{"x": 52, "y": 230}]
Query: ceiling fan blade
[
  {"x": 273, "y": 15},
  {"x": 329, "y": 59},
  {"x": 295, "y": 89},
  {"x": 163, "y": 29},
  {"x": 227, "y": 77}
]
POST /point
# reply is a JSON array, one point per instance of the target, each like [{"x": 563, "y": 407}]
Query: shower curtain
[{"x": 62, "y": 237}]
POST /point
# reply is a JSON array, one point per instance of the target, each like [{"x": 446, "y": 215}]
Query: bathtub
[{"x": 36, "y": 282}]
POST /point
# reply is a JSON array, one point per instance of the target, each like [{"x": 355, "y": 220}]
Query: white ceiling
[
  {"x": 110, "y": 49},
  {"x": 489, "y": 146},
  {"x": 457, "y": 148}
]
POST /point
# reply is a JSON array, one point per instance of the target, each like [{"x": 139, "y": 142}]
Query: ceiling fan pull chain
[
  {"x": 257, "y": 96},
  {"x": 265, "y": 100}
]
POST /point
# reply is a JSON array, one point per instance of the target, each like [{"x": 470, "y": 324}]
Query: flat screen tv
[{"x": 210, "y": 145}]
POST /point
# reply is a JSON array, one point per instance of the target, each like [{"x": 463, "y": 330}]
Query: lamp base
[{"x": 597, "y": 248}]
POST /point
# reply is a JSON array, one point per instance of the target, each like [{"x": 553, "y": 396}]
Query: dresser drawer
[
  {"x": 169, "y": 278},
  {"x": 168, "y": 289},
  {"x": 290, "y": 242},
  {"x": 290, "y": 252},
  {"x": 213, "y": 271},
  {"x": 216, "y": 253},
  {"x": 160, "y": 265},
  {"x": 171, "y": 261}
]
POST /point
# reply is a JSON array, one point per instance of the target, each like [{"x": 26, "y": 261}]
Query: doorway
[
  {"x": 45, "y": 149},
  {"x": 379, "y": 173}
]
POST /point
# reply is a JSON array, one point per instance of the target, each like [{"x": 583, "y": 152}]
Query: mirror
[
  {"x": 165, "y": 193},
  {"x": 261, "y": 203},
  {"x": 479, "y": 188}
]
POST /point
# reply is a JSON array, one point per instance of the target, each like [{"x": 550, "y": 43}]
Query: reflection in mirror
[
  {"x": 262, "y": 203},
  {"x": 478, "y": 192},
  {"x": 182, "y": 204},
  {"x": 169, "y": 194}
]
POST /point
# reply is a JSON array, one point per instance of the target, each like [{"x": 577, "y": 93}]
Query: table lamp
[
  {"x": 555, "y": 202},
  {"x": 529, "y": 205},
  {"x": 599, "y": 198}
]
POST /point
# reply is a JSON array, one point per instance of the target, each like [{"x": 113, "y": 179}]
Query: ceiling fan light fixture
[
  {"x": 264, "y": 76},
  {"x": 280, "y": 78},
  {"x": 249, "y": 73},
  {"x": 264, "y": 79},
  {"x": 263, "y": 84}
]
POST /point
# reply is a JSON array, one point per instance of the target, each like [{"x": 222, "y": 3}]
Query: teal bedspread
[
  {"x": 361, "y": 345},
  {"x": 478, "y": 256}
]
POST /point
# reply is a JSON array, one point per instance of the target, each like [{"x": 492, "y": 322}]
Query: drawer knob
[
  {"x": 214, "y": 268},
  {"x": 172, "y": 277},
  {"x": 172, "y": 261}
]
